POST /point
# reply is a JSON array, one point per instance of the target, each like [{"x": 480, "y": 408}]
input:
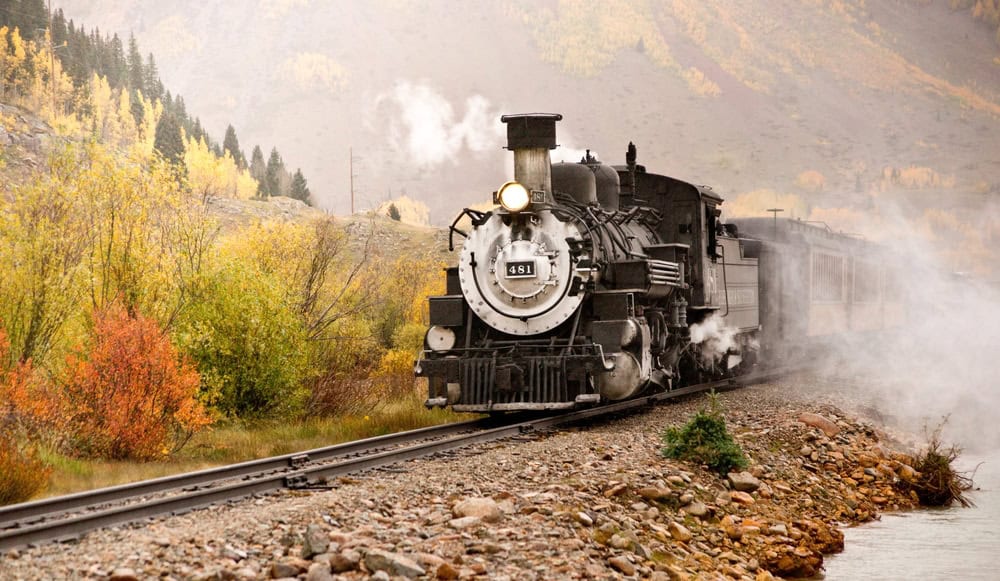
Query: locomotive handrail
[{"x": 478, "y": 219}]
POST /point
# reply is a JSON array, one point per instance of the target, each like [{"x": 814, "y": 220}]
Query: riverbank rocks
[{"x": 598, "y": 501}]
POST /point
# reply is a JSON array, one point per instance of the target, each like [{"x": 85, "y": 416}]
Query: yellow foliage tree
[{"x": 210, "y": 176}]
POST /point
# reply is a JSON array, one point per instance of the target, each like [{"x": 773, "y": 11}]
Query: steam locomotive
[{"x": 590, "y": 283}]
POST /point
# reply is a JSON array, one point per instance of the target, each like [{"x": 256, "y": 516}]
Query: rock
[
  {"x": 428, "y": 560},
  {"x": 696, "y": 508},
  {"x": 616, "y": 489},
  {"x": 686, "y": 498},
  {"x": 742, "y": 498},
  {"x": 379, "y": 560},
  {"x": 676, "y": 480},
  {"x": 484, "y": 508},
  {"x": 619, "y": 542},
  {"x": 655, "y": 494},
  {"x": 679, "y": 532},
  {"x": 817, "y": 421},
  {"x": 233, "y": 553},
  {"x": 732, "y": 530},
  {"x": 319, "y": 572},
  {"x": 288, "y": 568},
  {"x": 906, "y": 473},
  {"x": 743, "y": 481},
  {"x": 380, "y": 576},
  {"x": 446, "y": 571},
  {"x": 464, "y": 522},
  {"x": 315, "y": 541},
  {"x": 344, "y": 561},
  {"x": 622, "y": 565},
  {"x": 123, "y": 574},
  {"x": 778, "y": 529},
  {"x": 584, "y": 519}
]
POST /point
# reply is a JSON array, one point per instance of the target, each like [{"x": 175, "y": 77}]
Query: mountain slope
[{"x": 745, "y": 96}]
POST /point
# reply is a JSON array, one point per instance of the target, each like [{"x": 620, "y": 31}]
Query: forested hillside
[{"x": 152, "y": 284}]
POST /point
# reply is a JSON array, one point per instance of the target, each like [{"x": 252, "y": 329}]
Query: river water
[{"x": 949, "y": 543}]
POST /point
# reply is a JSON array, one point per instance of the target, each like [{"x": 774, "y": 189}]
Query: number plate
[{"x": 520, "y": 269}]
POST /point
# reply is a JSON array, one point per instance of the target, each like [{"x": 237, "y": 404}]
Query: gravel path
[{"x": 596, "y": 502}]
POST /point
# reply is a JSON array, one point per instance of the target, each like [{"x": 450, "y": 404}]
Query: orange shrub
[
  {"x": 132, "y": 395},
  {"x": 22, "y": 474},
  {"x": 27, "y": 401}
]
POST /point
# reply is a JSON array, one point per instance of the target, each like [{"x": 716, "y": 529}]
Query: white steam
[
  {"x": 945, "y": 362},
  {"x": 714, "y": 338},
  {"x": 423, "y": 124}
]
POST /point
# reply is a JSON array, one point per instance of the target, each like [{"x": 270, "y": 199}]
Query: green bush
[
  {"x": 705, "y": 440},
  {"x": 249, "y": 343}
]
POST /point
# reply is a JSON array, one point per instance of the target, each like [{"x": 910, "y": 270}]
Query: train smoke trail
[{"x": 423, "y": 124}]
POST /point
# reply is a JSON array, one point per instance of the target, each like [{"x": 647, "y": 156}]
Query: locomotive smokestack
[{"x": 530, "y": 136}]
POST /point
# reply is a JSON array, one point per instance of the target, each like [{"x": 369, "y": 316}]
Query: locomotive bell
[{"x": 530, "y": 136}]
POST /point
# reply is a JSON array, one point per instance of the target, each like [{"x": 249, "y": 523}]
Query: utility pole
[
  {"x": 775, "y": 212},
  {"x": 52, "y": 65}
]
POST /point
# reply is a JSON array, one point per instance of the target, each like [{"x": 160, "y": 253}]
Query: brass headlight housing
[{"x": 513, "y": 196}]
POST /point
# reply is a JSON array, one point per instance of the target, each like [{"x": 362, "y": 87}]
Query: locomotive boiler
[{"x": 587, "y": 283}]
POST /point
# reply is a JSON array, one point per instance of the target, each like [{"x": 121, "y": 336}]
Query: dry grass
[{"x": 237, "y": 443}]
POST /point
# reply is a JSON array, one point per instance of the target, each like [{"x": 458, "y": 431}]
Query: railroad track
[{"x": 65, "y": 518}]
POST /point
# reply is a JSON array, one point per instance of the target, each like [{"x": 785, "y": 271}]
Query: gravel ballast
[{"x": 589, "y": 502}]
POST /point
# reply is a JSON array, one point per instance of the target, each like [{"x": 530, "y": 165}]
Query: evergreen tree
[
  {"x": 394, "y": 212},
  {"x": 168, "y": 140},
  {"x": 113, "y": 63},
  {"x": 151, "y": 79},
  {"x": 299, "y": 189},
  {"x": 272, "y": 176},
  {"x": 258, "y": 169},
  {"x": 136, "y": 106},
  {"x": 136, "y": 76},
  {"x": 231, "y": 144},
  {"x": 59, "y": 32}
]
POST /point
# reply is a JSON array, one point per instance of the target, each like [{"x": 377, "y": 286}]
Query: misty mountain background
[{"x": 829, "y": 102}]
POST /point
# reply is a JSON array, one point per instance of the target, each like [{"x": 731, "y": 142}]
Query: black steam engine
[{"x": 589, "y": 283}]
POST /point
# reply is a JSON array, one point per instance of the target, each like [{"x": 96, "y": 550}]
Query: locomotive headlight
[
  {"x": 440, "y": 338},
  {"x": 513, "y": 197}
]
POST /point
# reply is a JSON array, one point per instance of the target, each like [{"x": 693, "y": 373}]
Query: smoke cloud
[
  {"x": 423, "y": 124},
  {"x": 714, "y": 337},
  {"x": 945, "y": 360}
]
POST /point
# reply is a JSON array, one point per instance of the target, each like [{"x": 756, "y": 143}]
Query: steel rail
[
  {"x": 318, "y": 474},
  {"x": 45, "y": 508}
]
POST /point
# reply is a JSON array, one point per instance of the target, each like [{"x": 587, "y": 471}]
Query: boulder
[
  {"x": 622, "y": 565},
  {"x": 679, "y": 532},
  {"x": 743, "y": 481},
  {"x": 393, "y": 563},
  {"x": 316, "y": 541},
  {"x": 484, "y": 508},
  {"x": 655, "y": 494},
  {"x": 817, "y": 421}
]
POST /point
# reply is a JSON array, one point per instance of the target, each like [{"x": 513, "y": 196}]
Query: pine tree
[
  {"x": 272, "y": 176},
  {"x": 136, "y": 76},
  {"x": 394, "y": 212},
  {"x": 299, "y": 189},
  {"x": 151, "y": 79},
  {"x": 114, "y": 64},
  {"x": 168, "y": 140},
  {"x": 258, "y": 169},
  {"x": 231, "y": 144}
]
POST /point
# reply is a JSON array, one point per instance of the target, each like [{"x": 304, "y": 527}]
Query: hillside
[{"x": 814, "y": 99}]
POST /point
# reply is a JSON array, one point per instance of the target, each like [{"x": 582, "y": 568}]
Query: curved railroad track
[{"x": 65, "y": 518}]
